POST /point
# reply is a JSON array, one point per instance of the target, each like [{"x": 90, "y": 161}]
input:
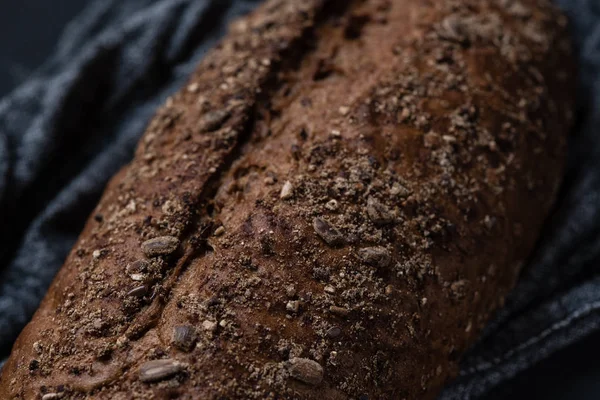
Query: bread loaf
[{"x": 332, "y": 208}]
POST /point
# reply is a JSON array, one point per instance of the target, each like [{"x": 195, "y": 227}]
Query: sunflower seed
[
  {"x": 341, "y": 311},
  {"x": 305, "y": 370},
  {"x": 214, "y": 120},
  {"x": 139, "y": 291},
  {"x": 376, "y": 256},
  {"x": 334, "y": 332},
  {"x": 160, "y": 246},
  {"x": 158, "y": 370},
  {"x": 378, "y": 212},
  {"x": 327, "y": 232},
  {"x": 184, "y": 337},
  {"x": 137, "y": 267}
]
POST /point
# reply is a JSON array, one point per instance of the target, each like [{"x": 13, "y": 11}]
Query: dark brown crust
[{"x": 354, "y": 186}]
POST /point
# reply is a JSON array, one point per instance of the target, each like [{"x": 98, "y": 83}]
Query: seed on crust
[
  {"x": 160, "y": 246},
  {"x": 375, "y": 256},
  {"x": 137, "y": 270},
  {"x": 158, "y": 370},
  {"x": 138, "y": 267},
  {"x": 378, "y": 212},
  {"x": 334, "y": 332},
  {"x": 184, "y": 337},
  {"x": 327, "y": 232},
  {"x": 305, "y": 370},
  {"x": 341, "y": 311},
  {"x": 139, "y": 291},
  {"x": 214, "y": 120}
]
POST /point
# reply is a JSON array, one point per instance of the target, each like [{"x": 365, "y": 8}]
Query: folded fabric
[{"x": 75, "y": 122}]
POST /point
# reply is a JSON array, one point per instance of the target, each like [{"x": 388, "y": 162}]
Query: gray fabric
[{"x": 76, "y": 121}]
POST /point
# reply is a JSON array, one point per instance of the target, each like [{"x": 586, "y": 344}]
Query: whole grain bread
[{"x": 331, "y": 209}]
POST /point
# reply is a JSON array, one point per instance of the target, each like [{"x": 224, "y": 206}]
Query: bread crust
[{"x": 332, "y": 208}]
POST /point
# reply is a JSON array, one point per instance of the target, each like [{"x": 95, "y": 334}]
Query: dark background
[{"x": 28, "y": 31}]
